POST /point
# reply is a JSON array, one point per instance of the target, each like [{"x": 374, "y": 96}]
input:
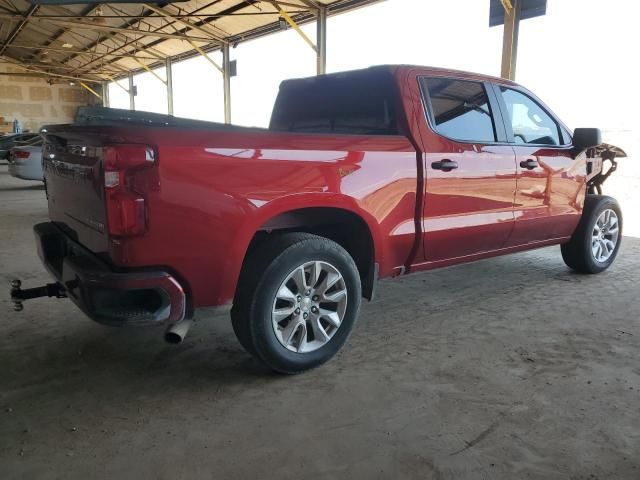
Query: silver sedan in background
[{"x": 25, "y": 159}]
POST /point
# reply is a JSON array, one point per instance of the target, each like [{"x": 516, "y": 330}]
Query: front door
[
  {"x": 469, "y": 171},
  {"x": 550, "y": 182}
]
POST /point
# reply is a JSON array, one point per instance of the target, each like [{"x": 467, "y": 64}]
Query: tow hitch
[{"x": 18, "y": 295}]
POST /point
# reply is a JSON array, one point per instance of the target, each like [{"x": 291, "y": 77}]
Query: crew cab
[{"x": 361, "y": 175}]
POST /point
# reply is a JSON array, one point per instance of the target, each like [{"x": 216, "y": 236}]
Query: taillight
[
  {"x": 125, "y": 200},
  {"x": 21, "y": 154}
]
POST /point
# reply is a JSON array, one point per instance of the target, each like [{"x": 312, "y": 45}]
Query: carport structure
[
  {"x": 102, "y": 42},
  {"x": 97, "y": 43}
]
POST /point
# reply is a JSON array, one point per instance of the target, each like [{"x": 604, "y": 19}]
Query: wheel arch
[{"x": 346, "y": 226}]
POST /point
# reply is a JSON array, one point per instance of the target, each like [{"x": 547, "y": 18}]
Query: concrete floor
[{"x": 507, "y": 368}]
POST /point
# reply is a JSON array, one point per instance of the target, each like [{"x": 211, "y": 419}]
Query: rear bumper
[
  {"x": 108, "y": 296},
  {"x": 25, "y": 172}
]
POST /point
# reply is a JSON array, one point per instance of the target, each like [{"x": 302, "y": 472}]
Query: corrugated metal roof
[{"x": 96, "y": 41}]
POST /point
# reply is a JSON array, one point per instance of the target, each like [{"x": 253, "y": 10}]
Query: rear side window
[
  {"x": 530, "y": 123},
  {"x": 357, "y": 103},
  {"x": 460, "y": 109}
]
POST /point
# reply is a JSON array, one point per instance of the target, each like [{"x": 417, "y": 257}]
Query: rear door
[
  {"x": 550, "y": 183},
  {"x": 469, "y": 169}
]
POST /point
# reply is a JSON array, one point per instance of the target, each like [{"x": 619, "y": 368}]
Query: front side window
[
  {"x": 460, "y": 109},
  {"x": 530, "y": 123},
  {"x": 567, "y": 138}
]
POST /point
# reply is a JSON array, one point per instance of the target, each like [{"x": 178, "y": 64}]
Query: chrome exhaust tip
[{"x": 175, "y": 333}]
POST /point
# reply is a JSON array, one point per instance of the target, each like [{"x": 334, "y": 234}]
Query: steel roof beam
[
  {"x": 88, "y": 53},
  {"x": 510, "y": 41},
  {"x": 130, "y": 31},
  {"x": 127, "y": 43},
  {"x": 17, "y": 16},
  {"x": 228, "y": 11},
  {"x": 186, "y": 23},
  {"x": 99, "y": 41},
  {"x": 18, "y": 28},
  {"x": 294, "y": 25},
  {"x": 49, "y": 74},
  {"x": 62, "y": 31},
  {"x": 145, "y": 15}
]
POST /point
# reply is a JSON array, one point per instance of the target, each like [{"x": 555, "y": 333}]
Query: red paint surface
[{"x": 215, "y": 189}]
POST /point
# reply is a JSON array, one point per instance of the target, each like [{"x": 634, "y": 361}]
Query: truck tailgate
[{"x": 74, "y": 179}]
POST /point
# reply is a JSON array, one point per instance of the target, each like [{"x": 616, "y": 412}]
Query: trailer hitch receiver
[{"x": 19, "y": 295}]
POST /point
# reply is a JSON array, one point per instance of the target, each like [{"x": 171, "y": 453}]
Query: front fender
[{"x": 601, "y": 162}]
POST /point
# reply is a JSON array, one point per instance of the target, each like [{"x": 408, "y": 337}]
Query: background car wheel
[
  {"x": 595, "y": 243},
  {"x": 298, "y": 300}
]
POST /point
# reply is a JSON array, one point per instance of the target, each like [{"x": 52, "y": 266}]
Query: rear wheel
[
  {"x": 595, "y": 243},
  {"x": 297, "y": 302}
]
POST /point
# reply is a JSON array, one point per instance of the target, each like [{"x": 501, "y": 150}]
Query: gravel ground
[{"x": 507, "y": 368}]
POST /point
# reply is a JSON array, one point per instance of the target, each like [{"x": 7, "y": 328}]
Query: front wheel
[
  {"x": 297, "y": 302},
  {"x": 595, "y": 243}
]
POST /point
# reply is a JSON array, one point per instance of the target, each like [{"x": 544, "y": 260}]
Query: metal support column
[
  {"x": 169, "y": 83},
  {"x": 510, "y": 41},
  {"x": 132, "y": 97},
  {"x": 226, "y": 76},
  {"x": 321, "y": 41},
  {"x": 105, "y": 94}
]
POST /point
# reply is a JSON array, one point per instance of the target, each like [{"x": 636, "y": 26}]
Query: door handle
[
  {"x": 445, "y": 165},
  {"x": 529, "y": 163}
]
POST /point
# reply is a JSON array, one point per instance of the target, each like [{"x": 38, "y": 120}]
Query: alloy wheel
[
  {"x": 604, "y": 237},
  {"x": 309, "y": 306}
]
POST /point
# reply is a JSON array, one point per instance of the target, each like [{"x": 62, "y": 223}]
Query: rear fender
[
  {"x": 260, "y": 216},
  {"x": 313, "y": 200}
]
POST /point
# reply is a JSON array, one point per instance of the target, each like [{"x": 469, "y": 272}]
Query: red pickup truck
[{"x": 361, "y": 175}]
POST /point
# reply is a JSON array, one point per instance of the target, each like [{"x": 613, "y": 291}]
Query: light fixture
[
  {"x": 97, "y": 16},
  {"x": 67, "y": 45},
  {"x": 72, "y": 83}
]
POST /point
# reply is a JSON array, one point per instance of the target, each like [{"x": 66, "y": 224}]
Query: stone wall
[{"x": 35, "y": 102}]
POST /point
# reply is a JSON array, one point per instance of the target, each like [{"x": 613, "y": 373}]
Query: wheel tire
[
  {"x": 577, "y": 253},
  {"x": 264, "y": 271}
]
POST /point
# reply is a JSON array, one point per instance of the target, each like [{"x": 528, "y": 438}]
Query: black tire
[
  {"x": 577, "y": 252},
  {"x": 264, "y": 271}
]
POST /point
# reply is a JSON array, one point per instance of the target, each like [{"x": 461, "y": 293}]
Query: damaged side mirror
[{"x": 584, "y": 138}]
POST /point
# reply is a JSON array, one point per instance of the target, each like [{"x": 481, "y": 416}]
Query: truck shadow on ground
[{"x": 58, "y": 350}]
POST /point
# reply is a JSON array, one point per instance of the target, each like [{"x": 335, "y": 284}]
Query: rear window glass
[
  {"x": 358, "y": 103},
  {"x": 460, "y": 109}
]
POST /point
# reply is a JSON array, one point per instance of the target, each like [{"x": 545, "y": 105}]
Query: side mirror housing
[{"x": 584, "y": 138}]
